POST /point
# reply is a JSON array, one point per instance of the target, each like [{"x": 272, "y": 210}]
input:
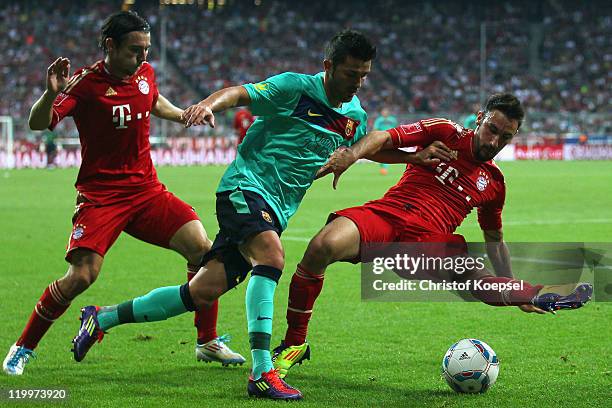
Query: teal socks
[
  {"x": 260, "y": 311},
  {"x": 159, "y": 304}
]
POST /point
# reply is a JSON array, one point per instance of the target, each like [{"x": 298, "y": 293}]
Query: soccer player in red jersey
[
  {"x": 117, "y": 187},
  {"x": 242, "y": 121},
  {"x": 426, "y": 205}
]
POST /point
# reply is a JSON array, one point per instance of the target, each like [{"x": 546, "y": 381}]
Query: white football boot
[
  {"x": 16, "y": 359},
  {"x": 217, "y": 350}
]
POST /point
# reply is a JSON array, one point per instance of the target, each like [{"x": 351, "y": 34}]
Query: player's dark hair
[
  {"x": 117, "y": 25},
  {"x": 507, "y": 104},
  {"x": 349, "y": 42}
]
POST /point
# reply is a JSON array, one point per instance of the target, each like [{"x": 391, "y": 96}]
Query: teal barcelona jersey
[{"x": 295, "y": 132}]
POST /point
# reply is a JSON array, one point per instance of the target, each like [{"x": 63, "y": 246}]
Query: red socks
[
  {"x": 507, "y": 296},
  {"x": 205, "y": 319},
  {"x": 304, "y": 290},
  {"x": 51, "y": 305}
]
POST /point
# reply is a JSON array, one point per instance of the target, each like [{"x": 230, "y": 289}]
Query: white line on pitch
[
  {"x": 529, "y": 260},
  {"x": 551, "y": 222},
  {"x": 475, "y": 225}
]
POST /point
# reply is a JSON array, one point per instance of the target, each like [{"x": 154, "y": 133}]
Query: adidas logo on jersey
[
  {"x": 464, "y": 356},
  {"x": 110, "y": 92}
]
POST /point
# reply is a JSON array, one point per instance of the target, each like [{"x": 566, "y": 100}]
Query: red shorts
[
  {"x": 152, "y": 216},
  {"x": 379, "y": 222}
]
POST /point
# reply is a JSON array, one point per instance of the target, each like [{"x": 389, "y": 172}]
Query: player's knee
[
  {"x": 195, "y": 250},
  {"x": 277, "y": 260},
  {"x": 78, "y": 279},
  {"x": 274, "y": 257},
  {"x": 320, "y": 250},
  {"x": 205, "y": 295}
]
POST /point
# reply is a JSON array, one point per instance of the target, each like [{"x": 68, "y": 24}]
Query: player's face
[
  {"x": 494, "y": 130},
  {"x": 346, "y": 78},
  {"x": 130, "y": 54}
]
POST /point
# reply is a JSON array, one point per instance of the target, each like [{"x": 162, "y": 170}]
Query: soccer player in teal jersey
[
  {"x": 383, "y": 122},
  {"x": 302, "y": 119}
]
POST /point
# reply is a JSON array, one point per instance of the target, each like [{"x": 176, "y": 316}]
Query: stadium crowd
[{"x": 556, "y": 56}]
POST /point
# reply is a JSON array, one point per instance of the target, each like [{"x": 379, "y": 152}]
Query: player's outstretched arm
[
  {"x": 41, "y": 113},
  {"x": 498, "y": 253},
  {"x": 203, "y": 112},
  {"x": 380, "y": 148},
  {"x": 166, "y": 110},
  {"x": 431, "y": 155}
]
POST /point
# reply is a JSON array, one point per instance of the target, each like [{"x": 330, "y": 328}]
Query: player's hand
[
  {"x": 198, "y": 114},
  {"x": 340, "y": 160},
  {"x": 532, "y": 309},
  {"x": 433, "y": 154},
  {"x": 58, "y": 75}
]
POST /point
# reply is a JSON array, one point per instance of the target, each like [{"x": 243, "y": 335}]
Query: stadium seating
[{"x": 556, "y": 59}]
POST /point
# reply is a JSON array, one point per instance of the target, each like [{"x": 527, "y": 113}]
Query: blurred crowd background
[{"x": 555, "y": 55}]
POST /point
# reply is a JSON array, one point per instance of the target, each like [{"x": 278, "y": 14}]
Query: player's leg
[
  {"x": 505, "y": 291},
  {"x": 160, "y": 304},
  {"x": 248, "y": 238},
  {"x": 191, "y": 242},
  {"x": 169, "y": 222},
  {"x": 84, "y": 269},
  {"x": 338, "y": 240},
  {"x": 166, "y": 302},
  {"x": 265, "y": 252},
  {"x": 96, "y": 226}
]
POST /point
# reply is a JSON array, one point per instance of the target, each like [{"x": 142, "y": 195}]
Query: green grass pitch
[{"x": 364, "y": 354}]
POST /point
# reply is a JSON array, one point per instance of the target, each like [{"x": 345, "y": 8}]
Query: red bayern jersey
[
  {"x": 242, "y": 121},
  {"x": 113, "y": 119},
  {"x": 446, "y": 193}
]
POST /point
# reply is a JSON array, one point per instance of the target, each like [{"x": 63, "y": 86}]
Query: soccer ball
[{"x": 470, "y": 366}]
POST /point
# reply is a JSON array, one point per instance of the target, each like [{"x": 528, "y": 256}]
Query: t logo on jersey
[{"x": 124, "y": 115}]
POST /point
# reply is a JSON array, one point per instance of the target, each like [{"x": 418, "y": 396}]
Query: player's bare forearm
[
  {"x": 430, "y": 155},
  {"x": 166, "y": 110},
  {"x": 41, "y": 113},
  {"x": 371, "y": 144},
  {"x": 203, "y": 112},
  {"x": 227, "y": 98},
  {"x": 498, "y": 253}
]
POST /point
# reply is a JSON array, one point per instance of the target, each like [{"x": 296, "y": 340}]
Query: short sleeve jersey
[
  {"x": 113, "y": 120},
  {"x": 295, "y": 132}
]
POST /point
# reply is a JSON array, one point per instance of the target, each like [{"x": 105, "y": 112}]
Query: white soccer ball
[{"x": 470, "y": 366}]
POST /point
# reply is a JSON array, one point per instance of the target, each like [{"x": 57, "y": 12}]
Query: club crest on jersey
[
  {"x": 143, "y": 85},
  {"x": 266, "y": 216},
  {"x": 482, "y": 181},
  {"x": 349, "y": 127},
  {"x": 78, "y": 231}
]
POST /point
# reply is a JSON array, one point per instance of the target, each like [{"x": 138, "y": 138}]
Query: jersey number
[{"x": 449, "y": 174}]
